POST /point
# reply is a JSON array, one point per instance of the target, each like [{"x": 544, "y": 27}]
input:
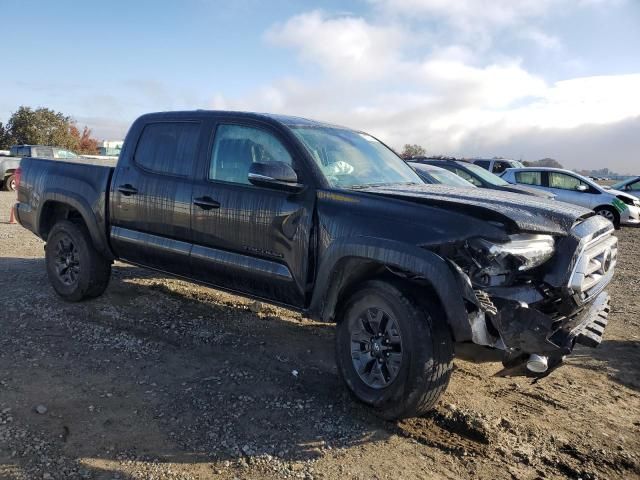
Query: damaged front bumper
[
  {"x": 546, "y": 319},
  {"x": 525, "y": 331}
]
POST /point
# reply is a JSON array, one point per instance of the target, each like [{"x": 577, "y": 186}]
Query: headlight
[{"x": 527, "y": 250}]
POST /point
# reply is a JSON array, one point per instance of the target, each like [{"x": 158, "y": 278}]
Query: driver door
[{"x": 247, "y": 238}]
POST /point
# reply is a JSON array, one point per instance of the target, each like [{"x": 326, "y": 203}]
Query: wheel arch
[
  {"x": 348, "y": 263},
  {"x": 71, "y": 207}
]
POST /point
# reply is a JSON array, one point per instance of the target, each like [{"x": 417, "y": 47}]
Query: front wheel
[
  {"x": 394, "y": 353},
  {"x": 610, "y": 214},
  {"x": 76, "y": 270}
]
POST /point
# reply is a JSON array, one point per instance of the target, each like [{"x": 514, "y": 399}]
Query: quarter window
[
  {"x": 529, "y": 178},
  {"x": 236, "y": 147},
  {"x": 168, "y": 148}
]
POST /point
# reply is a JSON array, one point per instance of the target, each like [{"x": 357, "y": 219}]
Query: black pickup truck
[{"x": 332, "y": 223}]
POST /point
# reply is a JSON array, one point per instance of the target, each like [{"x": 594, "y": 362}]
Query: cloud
[
  {"x": 344, "y": 46},
  {"x": 368, "y": 74}
]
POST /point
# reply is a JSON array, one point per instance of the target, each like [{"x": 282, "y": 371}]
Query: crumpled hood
[{"x": 529, "y": 214}]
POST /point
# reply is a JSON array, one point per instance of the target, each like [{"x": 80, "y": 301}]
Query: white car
[{"x": 619, "y": 207}]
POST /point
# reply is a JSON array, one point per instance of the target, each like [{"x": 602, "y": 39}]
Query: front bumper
[
  {"x": 525, "y": 330},
  {"x": 631, "y": 216}
]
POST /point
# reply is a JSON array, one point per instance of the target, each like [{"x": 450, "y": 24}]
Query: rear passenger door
[
  {"x": 151, "y": 197},
  {"x": 251, "y": 239}
]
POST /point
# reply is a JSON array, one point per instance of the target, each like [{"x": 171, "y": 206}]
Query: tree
[
  {"x": 545, "y": 162},
  {"x": 43, "y": 126},
  {"x": 414, "y": 150},
  {"x": 86, "y": 143},
  {"x": 5, "y": 138}
]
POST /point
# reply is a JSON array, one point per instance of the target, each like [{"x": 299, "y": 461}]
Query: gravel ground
[{"x": 162, "y": 379}]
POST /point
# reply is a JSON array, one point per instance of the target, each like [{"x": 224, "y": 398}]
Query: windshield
[
  {"x": 448, "y": 178},
  {"x": 350, "y": 159},
  {"x": 485, "y": 175}
]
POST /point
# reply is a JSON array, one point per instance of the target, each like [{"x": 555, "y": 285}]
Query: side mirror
[
  {"x": 582, "y": 188},
  {"x": 277, "y": 175}
]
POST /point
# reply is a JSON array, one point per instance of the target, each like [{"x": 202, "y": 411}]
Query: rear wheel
[
  {"x": 76, "y": 270},
  {"x": 610, "y": 214},
  {"x": 394, "y": 353},
  {"x": 10, "y": 183}
]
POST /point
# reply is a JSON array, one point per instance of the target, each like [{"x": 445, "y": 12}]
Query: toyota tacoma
[{"x": 330, "y": 222}]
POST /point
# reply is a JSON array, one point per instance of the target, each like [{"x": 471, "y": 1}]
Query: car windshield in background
[
  {"x": 485, "y": 175},
  {"x": 350, "y": 159},
  {"x": 448, "y": 178}
]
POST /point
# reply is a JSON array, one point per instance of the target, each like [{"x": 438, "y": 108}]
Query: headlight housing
[{"x": 526, "y": 250}]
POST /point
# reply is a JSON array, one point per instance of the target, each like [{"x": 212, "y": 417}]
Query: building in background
[{"x": 110, "y": 148}]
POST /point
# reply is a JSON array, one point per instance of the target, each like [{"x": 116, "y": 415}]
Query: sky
[{"x": 524, "y": 79}]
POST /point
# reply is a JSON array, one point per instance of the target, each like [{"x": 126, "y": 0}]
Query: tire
[
  {"x": 9, "y": 183},
  {"x": 411, "y": 379},
  {"x": 610, "y": 214},
  {"x": 76, "y": 270}
]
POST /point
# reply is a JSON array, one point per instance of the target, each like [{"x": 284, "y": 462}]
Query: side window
[
  {"x": 467, "y": 177},
  {"x": 168, "y": 148},
  {"x": 499, "y": 166},
  {"x": 483, "y": 163},
  {"x": 634, "y": 186},
  {"x": 236, "y": 147},
  {"x": 564, "y": 181},
  {"x": 529, "y": 178},
  {"x": 24, "y": 151}
]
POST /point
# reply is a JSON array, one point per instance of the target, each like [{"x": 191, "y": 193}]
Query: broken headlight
[{"x": 523, "y": 251}]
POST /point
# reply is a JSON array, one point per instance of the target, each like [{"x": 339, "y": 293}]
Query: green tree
[
  {"x": 5, "y": 138},
  {"x": 414, "y": 150},
  {"x": 42, "y": 126},
  {"x": 545, "y": 162}
]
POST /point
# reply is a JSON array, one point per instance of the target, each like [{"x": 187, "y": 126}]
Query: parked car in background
[
  {"x": 618, "y": 207},
  {"x": 497, "y": 165},
  {"x": 630, "y": 185},
  {"x": 478, "y": 176},
  {"x": 436, "y": 175},
  {"x": 41, "y": 151},
  {"x": 330, "y": 222},
  {"x": 8, "y": 167}
]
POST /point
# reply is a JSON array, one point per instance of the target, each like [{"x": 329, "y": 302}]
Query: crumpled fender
[{"x": 408, "y": 258}]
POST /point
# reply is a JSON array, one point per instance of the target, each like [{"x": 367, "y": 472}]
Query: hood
[
  {"x": 527, "y": 214},
  {"x": 536, "y": 192},
  {"x": 623, "y": 194}
]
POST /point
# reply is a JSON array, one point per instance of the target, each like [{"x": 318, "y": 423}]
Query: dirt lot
[{"x": 161, "y": 379}]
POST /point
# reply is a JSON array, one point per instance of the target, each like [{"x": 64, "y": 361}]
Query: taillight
[{"x": 17, "y": 174}]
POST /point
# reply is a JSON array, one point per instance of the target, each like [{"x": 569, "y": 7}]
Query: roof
[
  {"x": 546, "y": 169},
  {"x": 438, "y": 159},
  {"x": 288, "y": 120}
]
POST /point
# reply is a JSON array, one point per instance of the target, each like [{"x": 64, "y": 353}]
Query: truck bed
[{"x": 82, "y": 183}]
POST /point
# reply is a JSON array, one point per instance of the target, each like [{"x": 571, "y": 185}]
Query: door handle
[
  {"x": 127, "y": 189},
  {"x": 206, "y": 203}
]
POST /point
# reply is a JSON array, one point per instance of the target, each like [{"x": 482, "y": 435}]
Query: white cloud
[
  {"x": 345, "y": 46},
  {"x": 443, "y": 95}
]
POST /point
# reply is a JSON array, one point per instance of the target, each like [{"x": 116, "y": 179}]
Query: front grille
[{"x": 594, "y": 266}]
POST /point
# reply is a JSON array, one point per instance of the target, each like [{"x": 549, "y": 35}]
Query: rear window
[
  {"x": 529, "y": 178},
  {"x": 168, "y": 148}
]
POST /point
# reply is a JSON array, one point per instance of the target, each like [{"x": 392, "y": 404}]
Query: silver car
[{"x": 619, "y": 207}]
